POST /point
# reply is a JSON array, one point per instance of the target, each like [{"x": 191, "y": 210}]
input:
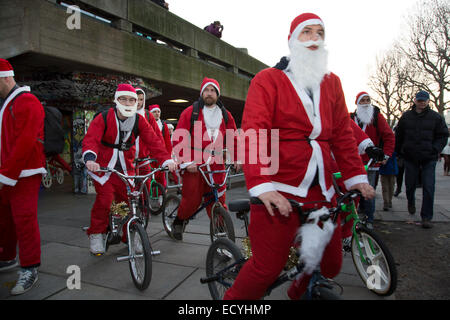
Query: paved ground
[{"x": 176, "y": 272}]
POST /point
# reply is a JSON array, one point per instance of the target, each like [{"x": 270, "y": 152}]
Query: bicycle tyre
[
  {"x": 47, "y": 180},
  {"x": 170, "y": 212},
  {"x": 140, "y": 263},
  {"x": 368, "y": 239},
  {"x": 324, "y": 293},
  {"x": 59, "y": 176},
  {"x": 221, "y": 225},
  {"x": 157, "y": 198},
  {"x": 222, "y": 254},
  {"x": 144, "y": 208}
]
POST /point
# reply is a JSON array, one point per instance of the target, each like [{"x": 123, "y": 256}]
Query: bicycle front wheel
[
  {"x": 140, "y": 253},
  {"x": 221, "y": 225},
  {"x": 373, "y": 261},
  {"x": 170, "y": 212},
  {"x": 223, "y": 261},
  {"x": 324, "y": 293},
  {"x": 157, "y": 198}
]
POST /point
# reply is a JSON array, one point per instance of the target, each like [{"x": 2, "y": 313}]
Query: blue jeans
[
  {"x": 428, "y": 175},
  {"x": 369, "y": 205}
]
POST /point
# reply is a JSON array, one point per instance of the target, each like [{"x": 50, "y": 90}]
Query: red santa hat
[
  {"x": 207, "y": 82},
  {"x": 154, "y": 107},
  {"x": 360, "y": 96},
  {"x": 6, "y": 70},
  {"x": 303, "y": 20},
  {"x": 125, "y": 90}
]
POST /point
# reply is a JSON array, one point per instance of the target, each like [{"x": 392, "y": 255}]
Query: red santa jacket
[
  {"x": 306, "y": 139},
  {"x": 380, "y": 133},
  {"x": 166, "y": 137},
  {"x": 108, "y": 157},
  {"x": 142, "y": 151},
  {"x": 199, "y": 146},
  {"x": 21, "y": 137}
]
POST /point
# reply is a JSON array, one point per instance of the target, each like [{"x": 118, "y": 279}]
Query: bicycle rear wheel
[
  {"x": 324, "y": 293},
  {"x": 375, "y": 266},
  {"x": 157, "y": 198},
  {"x": 170, "y": 212},
  {"x": 221, "y": 225},
  {"x": 144, "y": 208},
  {"x": 140, "y": 257},
  {"x": 224, "y": 261}
]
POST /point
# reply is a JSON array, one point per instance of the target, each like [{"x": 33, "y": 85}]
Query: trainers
[
  {"x": 8, "y": 265},
  {"x": 426, "y": 224},
  {"x": 397, "y": 193},
  {"x": 177, "y": 232},
  {"x": 369, "y": 225},
  {"x": 411, "y": 208},
  {"x": 27, "y": 278},
  {"x": 97, "y": 244}
]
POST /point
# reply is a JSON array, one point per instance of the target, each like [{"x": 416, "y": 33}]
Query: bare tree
[
  {"x": 389, "y": 84},
  {"x": 427, "y": 48}
]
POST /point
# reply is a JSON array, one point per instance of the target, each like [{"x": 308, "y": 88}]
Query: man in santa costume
[
  {"x": 112, "y": 144},
  {"x": 205, "y": 140},
  {"x": 22, "y": 162},
  {"x": 302, "y": 101},
  {"x": 162, "y": 125},
  {"x": 369, "y": 118}
]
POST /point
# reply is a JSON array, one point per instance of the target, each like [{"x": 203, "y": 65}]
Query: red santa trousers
[
  {"x": 160, "y": 176},
  {"x": 271, "y": 240},
  {"x": 194, "y": 188},
  {"x": 18, "y": 222},
  {"x": 113, "y": 190}
]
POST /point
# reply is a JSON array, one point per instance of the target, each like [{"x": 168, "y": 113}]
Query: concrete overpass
[{"x": 128, "y": 39}]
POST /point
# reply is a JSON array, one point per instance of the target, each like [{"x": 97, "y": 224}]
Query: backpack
[
  {"x": 53, "y": 132},
  {"x": 122, "y": 145},
  {"x": 199, "y": 105}
]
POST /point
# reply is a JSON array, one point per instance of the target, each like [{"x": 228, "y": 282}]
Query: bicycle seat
[{"x": 239, "y": 205}]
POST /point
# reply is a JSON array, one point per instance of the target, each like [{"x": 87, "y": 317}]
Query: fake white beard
[
  {"x": 365, "y": 113},
  {"x": 308, "y": 66},
  {"x": 126, "y": 111},
  {"x": 314, "y": 240}
]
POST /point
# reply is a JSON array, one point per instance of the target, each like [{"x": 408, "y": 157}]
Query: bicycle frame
[
  {"x": 317, "y": 278},
  {"x": 351, "y": 209},
  {"x": 214, "y": 186},
  {"x": 133, "y": 197}
]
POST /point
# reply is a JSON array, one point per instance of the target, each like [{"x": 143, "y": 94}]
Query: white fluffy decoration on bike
[{"x": 314, "y": 240}]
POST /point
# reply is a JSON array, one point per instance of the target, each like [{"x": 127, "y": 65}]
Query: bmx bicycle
[
  {"x": 130, "y": 219},
  {"x": 225, "y": 259},
  {"x": 221, "y": 225},
  {"x": 370, "y": 255}
]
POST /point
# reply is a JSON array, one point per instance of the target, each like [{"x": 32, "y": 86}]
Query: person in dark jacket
[{"x": 420, "y": 137}]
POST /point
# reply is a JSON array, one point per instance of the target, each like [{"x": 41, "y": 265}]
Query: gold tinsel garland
[{"x": 120, "y": 209}]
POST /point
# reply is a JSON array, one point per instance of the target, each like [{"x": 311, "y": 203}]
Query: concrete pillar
[
  {"x": 233, "y": 69},
  {"x": 122, "y": 24},
  {"x": 192, "y": 53}
]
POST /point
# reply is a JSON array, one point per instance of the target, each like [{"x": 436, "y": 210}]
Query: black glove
[{"x": 375, "y": 153}]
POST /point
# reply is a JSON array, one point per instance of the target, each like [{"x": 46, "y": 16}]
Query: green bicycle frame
[{"x": 351, "y": 208}]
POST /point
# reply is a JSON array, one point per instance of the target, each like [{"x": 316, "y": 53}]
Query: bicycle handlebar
[
  {"x": 203, "y": 173},
  {"x": 349, "y": 196},
  {"x": 112, "y": 170}
]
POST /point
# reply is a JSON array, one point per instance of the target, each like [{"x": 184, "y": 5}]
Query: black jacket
[{"x": 420, "y": 137}]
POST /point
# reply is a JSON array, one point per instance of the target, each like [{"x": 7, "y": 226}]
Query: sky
[{"x": 356, "y": 30}]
